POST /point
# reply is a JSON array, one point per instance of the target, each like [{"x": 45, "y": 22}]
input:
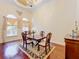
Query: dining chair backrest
[
  {"x": 23, "y": 36},
  {"x": 48, "y": 37},
  {"x": 26, "y": 33}
]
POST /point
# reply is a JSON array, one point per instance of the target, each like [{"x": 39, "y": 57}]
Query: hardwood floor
[
  {"x": 58, "y": 53},
  {"x": 11, "y": 51}
]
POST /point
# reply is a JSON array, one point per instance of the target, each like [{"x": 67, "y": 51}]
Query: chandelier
[{"x": 27, "y": 3}]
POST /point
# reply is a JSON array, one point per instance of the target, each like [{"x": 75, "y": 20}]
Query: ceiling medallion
[{"x": 27, "y": 3}]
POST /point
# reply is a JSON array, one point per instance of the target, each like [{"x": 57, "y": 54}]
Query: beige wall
[
  {"x": 9, "y": 7},
  {"x": 56, "y": 16}
]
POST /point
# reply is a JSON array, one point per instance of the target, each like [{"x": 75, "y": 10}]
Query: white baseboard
[{"x": 63, "y": 44}]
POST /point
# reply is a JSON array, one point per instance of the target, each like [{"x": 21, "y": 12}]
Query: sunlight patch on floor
[{"x": 11, "y": 51}]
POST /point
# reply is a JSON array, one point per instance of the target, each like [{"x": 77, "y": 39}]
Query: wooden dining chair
[
  {"x": 26, "y": 40},
  {"x": 23, "y": 38},
  {"x": 45, "y": 43},
  {"x": 26, "y": 33}
]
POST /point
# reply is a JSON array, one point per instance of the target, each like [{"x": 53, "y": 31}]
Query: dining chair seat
[
  {"x": 28, "y": 41},
  {"x": 42, "y": 43}
]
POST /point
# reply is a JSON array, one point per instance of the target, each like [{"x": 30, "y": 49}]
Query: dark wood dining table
[{"x": 36, "y": 38}]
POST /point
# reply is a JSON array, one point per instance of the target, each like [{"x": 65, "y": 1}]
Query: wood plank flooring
[
  {"x": 11, "y": 51},
  {"x": 58, "y": 53}
]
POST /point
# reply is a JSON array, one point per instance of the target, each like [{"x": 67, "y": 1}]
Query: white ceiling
[{"x": 12, "y": 2}]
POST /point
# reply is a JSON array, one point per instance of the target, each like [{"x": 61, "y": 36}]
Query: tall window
[
  {"x": 25, "y": 25},
  {"x": 11, "y": 25}
]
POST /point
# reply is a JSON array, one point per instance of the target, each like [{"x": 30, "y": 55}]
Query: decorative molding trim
[
  {"x": 10, "y": 41},
  {"x": 59, "y": 44}
]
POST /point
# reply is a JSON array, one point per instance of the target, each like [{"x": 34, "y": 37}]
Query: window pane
[{"x": 11, "y": 30}]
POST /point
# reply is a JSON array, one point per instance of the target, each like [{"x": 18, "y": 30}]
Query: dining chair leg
[
  {"x": 23, "y": 44},
  {"x": 26, "y": 46},
  {"x": 32, "y": 44},
  {"x": 49, "y": 46},
  {"x": 46, "y": 49},
  {"x": 38, "y": 48}
]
